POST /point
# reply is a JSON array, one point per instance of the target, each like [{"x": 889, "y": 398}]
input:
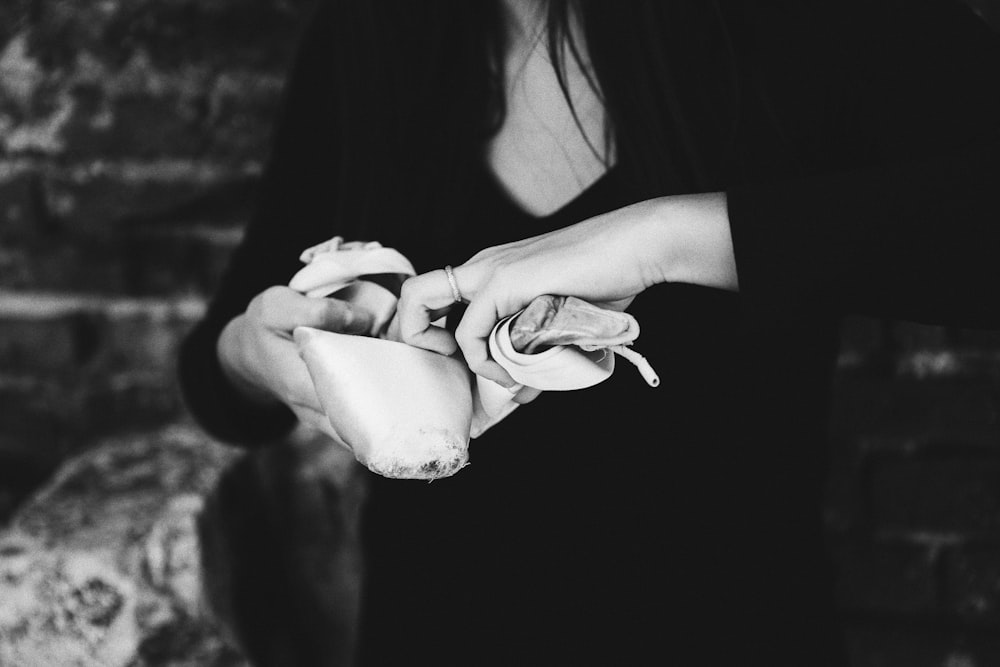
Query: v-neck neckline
[{"x": 548, "y": 220}]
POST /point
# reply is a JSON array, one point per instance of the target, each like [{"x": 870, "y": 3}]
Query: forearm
[
  {"x": 232, "y": 357},
  {"x": 216, "y": 403},
  {"x": 686, "y": 239}
]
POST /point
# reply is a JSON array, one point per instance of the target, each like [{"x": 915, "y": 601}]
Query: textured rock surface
[{"x": 102, "y": 566}]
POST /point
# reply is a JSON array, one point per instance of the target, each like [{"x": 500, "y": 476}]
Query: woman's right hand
[{"x": 258, "y": 355}]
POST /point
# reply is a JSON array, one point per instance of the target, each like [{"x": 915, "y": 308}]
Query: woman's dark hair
[
  {"x": 420, "y": 90},
  {"x": 661, "y": 68}
]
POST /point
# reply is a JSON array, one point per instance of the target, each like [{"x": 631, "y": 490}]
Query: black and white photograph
[{"x": 475, "y": 333}]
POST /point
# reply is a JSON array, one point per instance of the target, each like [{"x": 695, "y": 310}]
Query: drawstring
[{"x": 644, "y": 367}]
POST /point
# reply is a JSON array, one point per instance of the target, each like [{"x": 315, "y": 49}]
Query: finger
[
  {"x": 296, "y": 384},
  {"x": 332, "y": 315},
  {"x": 472, "y": 333},
  {"x": 283, "y": 309},
  {"x": 422, "y": 300},
  {"x": 526, "y": 395},
  {"x": 343, "y": 317}
]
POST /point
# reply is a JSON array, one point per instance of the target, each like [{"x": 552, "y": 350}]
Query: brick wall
[
  {"x": 914, "y": 502},
  {"x": 130, "y": 137},
  {"x": 131, "y": 134}
]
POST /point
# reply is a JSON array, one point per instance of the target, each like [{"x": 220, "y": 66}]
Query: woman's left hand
[{"x": 607, "y": 259}]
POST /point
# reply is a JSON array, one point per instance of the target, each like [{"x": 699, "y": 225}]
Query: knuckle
[
  {"x": 407, "y": 333},
  {"x": 500, "y": 273},
  {"x": 255, "y": 307},
  {"x": 474, "y": 354},
  {"x": 258, "y": 307},
  {"x": 408, "y": 290},
  {"x": 481, "y": 368},
  {"x": 346, "y": 316},
  {"x": 270, "y": 299},
  {"x": 481, "y": 255},
  {"x": 317, "y": 310},
  {"x": 465, "y": 338}
]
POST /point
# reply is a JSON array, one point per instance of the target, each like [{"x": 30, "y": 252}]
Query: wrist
[
  {"x": 230, "y": 351},
  {"x": 694, "y": 244}
]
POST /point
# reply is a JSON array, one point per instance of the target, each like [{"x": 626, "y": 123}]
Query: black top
[{"x": 678, "y": 525}]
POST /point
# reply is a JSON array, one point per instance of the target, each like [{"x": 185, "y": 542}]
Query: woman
[{"x": 738, "y": 176}]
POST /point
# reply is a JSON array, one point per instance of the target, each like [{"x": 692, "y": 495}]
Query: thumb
[{"x": 343, "y": 317}]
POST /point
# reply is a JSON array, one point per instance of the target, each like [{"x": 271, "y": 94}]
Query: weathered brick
[
  {"x": 899, "y": 643},
  {"x": 53, "y": 345},
  {"x": 886, "y": 577},
  {"x": 945, "y": 410},
  {"x": 226, "y": 32},
  {"x": 20, "y": 475},
  {"x": 205, "y": 125},
  {"x": 150, "y": 237},
  {"x": 189, "y": 258},
  {"x": 58, "y": 416},
  {"x": 41, "y": 200},
  {"x": 948, "y": 492},
  {"x": 140, "y": 112},
  {"x": 180, "y": 261},
  {"x": 48, "y": 334},
  {"x": 864, "y": 344},
  {"x": 145, "y": 340},
  {"x": 973, "y": 583},
  {"x": 910, "y": 335},
  {"x": 92, "y": 204},
  {"x": 977, "y": 338},
  {"x": 12, "y": 14},
  {"x": 72, "y": 368},
  {"x": 955, "y": 363}
]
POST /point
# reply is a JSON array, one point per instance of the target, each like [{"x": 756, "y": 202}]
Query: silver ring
[{"x": 456, "y": 294}]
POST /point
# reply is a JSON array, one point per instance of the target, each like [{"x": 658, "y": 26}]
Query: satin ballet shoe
[
  {"x": 374, "y": 299},
  {"x": 559, "y": 368},
  {"x": 334, "y": 264},
  {"x": 549, "y": 321},
  {"x": 409, "y": 413},
  {"x": 337, "y": 268},
  {"x": 491, "y": 404},
  {"x": 405, "y": 412},
  {"x": 562, "y": 343},
  {"x": 555, "y": 344}
]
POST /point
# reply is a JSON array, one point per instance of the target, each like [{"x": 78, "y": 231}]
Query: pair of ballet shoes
[{"x": 409, "y": 413}]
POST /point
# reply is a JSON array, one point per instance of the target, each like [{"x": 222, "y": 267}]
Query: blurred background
[{"x": 131, "y": 138}]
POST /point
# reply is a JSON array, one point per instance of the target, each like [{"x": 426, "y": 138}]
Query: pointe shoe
[
  {"x": 555, "y": 344},
  {"x": 405, "y": 412},
  {"x": 560, "y": 368},
  {"x": 562, "y": 343},
  {"x": 334, "y": 264},
  {"x": 337, "y": 268},
  {"x": 491, "y": 404},
  {"x": 410, "y": 413}
]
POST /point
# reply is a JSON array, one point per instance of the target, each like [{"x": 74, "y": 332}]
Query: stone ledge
[{"x": 102, "y": 566}]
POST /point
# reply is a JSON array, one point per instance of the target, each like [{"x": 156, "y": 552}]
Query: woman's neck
[
  {"x": 544, "y": 154},
  {"x": 525, "y": 19}
]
